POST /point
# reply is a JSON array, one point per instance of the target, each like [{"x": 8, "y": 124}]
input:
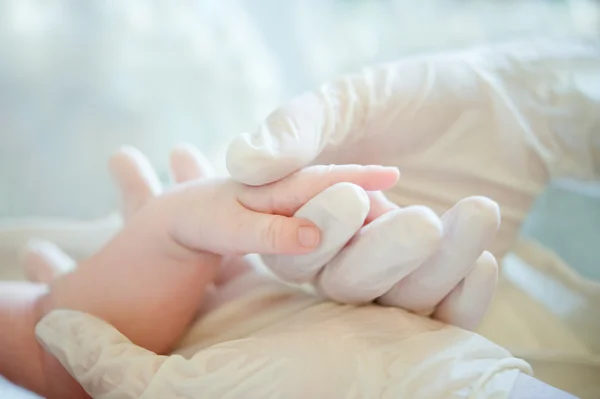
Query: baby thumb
[{"x": 275, "y": 234}]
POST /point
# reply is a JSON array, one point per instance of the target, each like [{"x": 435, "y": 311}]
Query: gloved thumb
[
  {"x": 292, "y": 136},
  {"x": 100, "y": 358},
  {"x": 286, "y": 141}
]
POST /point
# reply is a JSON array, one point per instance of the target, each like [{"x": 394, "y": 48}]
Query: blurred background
[{"x": 80, "y": 78}]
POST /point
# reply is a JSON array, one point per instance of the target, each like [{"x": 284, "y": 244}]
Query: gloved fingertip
[
  {"x": 45, "y": 333},
  {"x": 482, "y": 207},
  {"x": 76, "y": 340},
  {"x": 466, "y": 305},
  {"x": 54, "y": 329}
]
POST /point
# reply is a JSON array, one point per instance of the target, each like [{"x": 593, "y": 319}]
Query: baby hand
[
  {"x": 149, "y": 279},
  {"x": 226, "y": 217}
]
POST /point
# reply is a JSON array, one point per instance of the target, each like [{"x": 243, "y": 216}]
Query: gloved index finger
[
  {"x": 289, "y": 139},
  {"x": 286, "y": 196},
  {"x": 294, "y": 135}
]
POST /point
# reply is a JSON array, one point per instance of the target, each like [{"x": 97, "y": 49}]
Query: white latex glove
[
  {"x": 277, "y": 341},
  {"x": 496, "y": 121}
]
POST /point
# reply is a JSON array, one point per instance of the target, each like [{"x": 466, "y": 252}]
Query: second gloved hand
[
  {"x": 277, "y": 341},
  {"x": 497, "y": 122}
]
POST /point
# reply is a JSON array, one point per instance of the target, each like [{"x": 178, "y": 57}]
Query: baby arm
[
  {"x": 22, "y": 360},
  {"x": 19, "y": 351}
]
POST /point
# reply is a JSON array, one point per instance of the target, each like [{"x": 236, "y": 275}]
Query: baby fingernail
[
  {"x": 391, "y": 169},
  {"x": 381, "y": 168},
  {"x": 308, "y": 236}
]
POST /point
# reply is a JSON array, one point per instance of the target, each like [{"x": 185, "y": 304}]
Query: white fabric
[
  {"x": 549, "y": 315},
  {"x": 368, "y": 352}
]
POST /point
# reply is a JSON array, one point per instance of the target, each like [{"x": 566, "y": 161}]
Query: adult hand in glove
[
  {"x": 497, "y": 122},
  {"x": 279, "y": 342},
  {"x": 266, "y": 339}
]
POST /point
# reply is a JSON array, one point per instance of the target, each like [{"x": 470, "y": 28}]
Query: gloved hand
[
  {"x": 496, "y": 121},
  {"x": 278, "y": 341}
]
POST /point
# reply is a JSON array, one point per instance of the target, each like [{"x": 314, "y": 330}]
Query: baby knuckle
[{"x": 272, "y": 233}]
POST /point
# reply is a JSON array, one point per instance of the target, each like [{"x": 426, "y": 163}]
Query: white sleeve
[{"x": 551, "y": 93}]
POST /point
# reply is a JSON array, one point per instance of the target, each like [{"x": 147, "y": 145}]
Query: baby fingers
[
  {"x": 188, "y": 163},
  {"x": 136, "y": 179},
  {"x": 226, "y": 217},
  {"x": 286, "y": 196},
  {"x": 284, "y": 234}
]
